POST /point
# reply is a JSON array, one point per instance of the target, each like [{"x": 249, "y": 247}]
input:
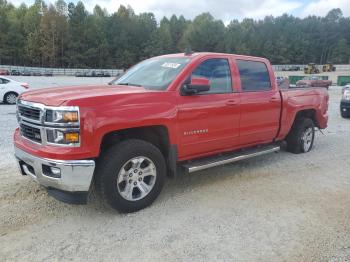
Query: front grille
[
  {"x": 28, "y": 112},
  {"x": 49, "y": 116},
  {"x": 31, "y": 133}
]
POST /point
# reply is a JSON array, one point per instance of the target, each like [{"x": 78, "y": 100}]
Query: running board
[{"x": 200, "y": 164}]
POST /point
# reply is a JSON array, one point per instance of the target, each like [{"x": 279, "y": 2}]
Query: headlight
[
  {"x": 62, "y": 116},
  {"x": 346, "y": 94},
  {"x": 63, "y": 137},
  {"x": 63, "y": 126}
]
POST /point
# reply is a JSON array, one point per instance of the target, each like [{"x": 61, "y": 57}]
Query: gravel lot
[{"x": 278, "y": 207}]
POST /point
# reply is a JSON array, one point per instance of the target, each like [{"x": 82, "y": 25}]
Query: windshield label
[{"x": 171, "y": 65}]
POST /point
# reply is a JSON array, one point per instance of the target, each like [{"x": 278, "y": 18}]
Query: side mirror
[{"x": 196, "y": 85}]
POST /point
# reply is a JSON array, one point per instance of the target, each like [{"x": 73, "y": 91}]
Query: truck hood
[{"x": 58, "y": 96}]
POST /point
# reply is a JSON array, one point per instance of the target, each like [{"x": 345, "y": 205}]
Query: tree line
[{"x": 67, "y": 35}]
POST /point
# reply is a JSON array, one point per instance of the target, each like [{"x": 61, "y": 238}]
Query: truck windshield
[{"x": 154, "y": 73}]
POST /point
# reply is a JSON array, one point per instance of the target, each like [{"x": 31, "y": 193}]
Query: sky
[{"x": 225, "y": 10}]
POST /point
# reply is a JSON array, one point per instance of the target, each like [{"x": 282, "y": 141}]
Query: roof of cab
[{"x": 203, "y": 54}]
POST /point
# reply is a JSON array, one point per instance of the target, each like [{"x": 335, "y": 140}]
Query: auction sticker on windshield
[{"x": 171, "y": 65}]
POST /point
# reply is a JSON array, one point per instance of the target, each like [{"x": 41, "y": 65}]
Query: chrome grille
[
  {"x": 30, "y": 132},
  {"x": 29, "y": 112}
]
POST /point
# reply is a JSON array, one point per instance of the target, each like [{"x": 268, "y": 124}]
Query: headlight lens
[
  {"x": 63, "y": 137},
  {"x": 60, "y": 116},
  {"x": 346, "y": 94},
  {"x": 65, "y": 126}
]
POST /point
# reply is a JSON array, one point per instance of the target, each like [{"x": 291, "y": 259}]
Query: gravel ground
[{"x": 278, "y": 207}]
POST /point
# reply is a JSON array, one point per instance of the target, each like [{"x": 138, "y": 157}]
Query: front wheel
[
  {"x": 131, "y": 175},
  {"x": 10, "y": 98},
  {"x": 301, "y": 137}
]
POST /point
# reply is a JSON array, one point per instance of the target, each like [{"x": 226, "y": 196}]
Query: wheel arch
[
  {"x": 157, "y": 135},
  {"x": 306, "y": 113},
  {"x": 9, "y": 92}
]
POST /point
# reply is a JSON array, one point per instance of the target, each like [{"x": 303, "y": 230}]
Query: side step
[{"x": 208, "y": 162}]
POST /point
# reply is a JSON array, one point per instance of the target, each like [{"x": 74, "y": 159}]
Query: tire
[
  {"x": 10, "y": 98},
  {"x": 301, "y": 137},
  {"x": 120, "y": 185},
  {"x": 344, "y": 114}
]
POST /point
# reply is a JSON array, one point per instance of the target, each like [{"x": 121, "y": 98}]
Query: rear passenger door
[{"x": 260, "y": 103}]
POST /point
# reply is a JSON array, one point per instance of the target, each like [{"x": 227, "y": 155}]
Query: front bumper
[
  {"x": 345, "y": 106},
  {"x": 75, "y": 175}
]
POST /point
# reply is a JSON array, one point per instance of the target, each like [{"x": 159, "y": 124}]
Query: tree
[
  {"x": 77, "y": 26},
  {"x": 205, "y": 34},
  {"x": 53, "y": 27},
  {"x": 32, "y": 19},
  {"x": 69, "y": 36},
  {"x": 341, "y": 52}
]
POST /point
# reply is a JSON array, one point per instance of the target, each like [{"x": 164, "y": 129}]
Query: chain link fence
[
  {"x": 61, "y": 71},
  {"x": 115, "y": 72}
]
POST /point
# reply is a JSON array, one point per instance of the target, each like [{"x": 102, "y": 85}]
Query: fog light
[
  {"x": 51, "y": 171},
  {"x": 56, "y": 171}
]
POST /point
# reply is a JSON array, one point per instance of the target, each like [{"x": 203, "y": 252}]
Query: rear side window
[
  {"x": 217, "y": 70},
  {"x": 3, "y": 81},
  {"x": 254, "y": 76}
]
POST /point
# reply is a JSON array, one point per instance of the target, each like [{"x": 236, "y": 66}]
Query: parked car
[
  {"x": 294, "y": 68},
  {"x": 168, "y": 114},
  {"x": 92, "y": 73},
  {"x": 4, "y": 72},
  {"x": 291, "y": 68},
  {"x": 314, "y": 81},
  {"x": 37, "y": 73},
  {"x": 99, "y": 74},
  {"x": 10, "y": 89},
  {"x": 79, "y": 74},
  {"x": 282, "y": 82},
  {"x": 48, "y": 73},
  {"x": 15, "y": 73},
  {"x": 103, "y": 74},
  {"x": 345, "y": 102},
  {"x": 26, "y": 73},
  {"x": 106, "y": 74}
]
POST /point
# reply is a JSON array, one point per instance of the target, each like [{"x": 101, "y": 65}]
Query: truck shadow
[{"x": 247, "y": 169}]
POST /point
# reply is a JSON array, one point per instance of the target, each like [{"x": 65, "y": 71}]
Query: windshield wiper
[{"x": 129, "y": 84}]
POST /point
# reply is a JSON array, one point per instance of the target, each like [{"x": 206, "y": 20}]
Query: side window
[
  {"x": 218, "y": 72},
  {"x": 3, "y": 81},
  {"x": 254, "y": 76}
]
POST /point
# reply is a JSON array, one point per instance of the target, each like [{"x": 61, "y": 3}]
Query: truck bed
[{"x": 296, "y": 99}]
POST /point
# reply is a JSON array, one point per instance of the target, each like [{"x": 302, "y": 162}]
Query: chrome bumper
[{"x": 76, "y": 175}]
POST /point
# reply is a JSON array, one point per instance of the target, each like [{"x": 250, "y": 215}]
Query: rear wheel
[
  {"x": 131, "y": 175},
  {"x": 10, "y": 98},
  {"x": 301, "y": 137}
]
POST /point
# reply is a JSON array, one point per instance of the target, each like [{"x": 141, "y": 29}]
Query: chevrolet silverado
[{"x": 168, "y": 114}]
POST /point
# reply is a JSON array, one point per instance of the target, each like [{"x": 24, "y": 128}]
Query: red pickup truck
[
  {"x": 172, "y": 113},
  {"x": 314, "y": 81}
]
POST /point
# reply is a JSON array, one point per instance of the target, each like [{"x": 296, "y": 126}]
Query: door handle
[
  {"x": 274, "y": 99},
  {"x": 232, "y": 102}
]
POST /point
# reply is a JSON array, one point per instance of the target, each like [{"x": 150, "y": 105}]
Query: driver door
[{"x": 209, "y": 121}]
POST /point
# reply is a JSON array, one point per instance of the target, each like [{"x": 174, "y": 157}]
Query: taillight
[{"x": 26, "y": 86}]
